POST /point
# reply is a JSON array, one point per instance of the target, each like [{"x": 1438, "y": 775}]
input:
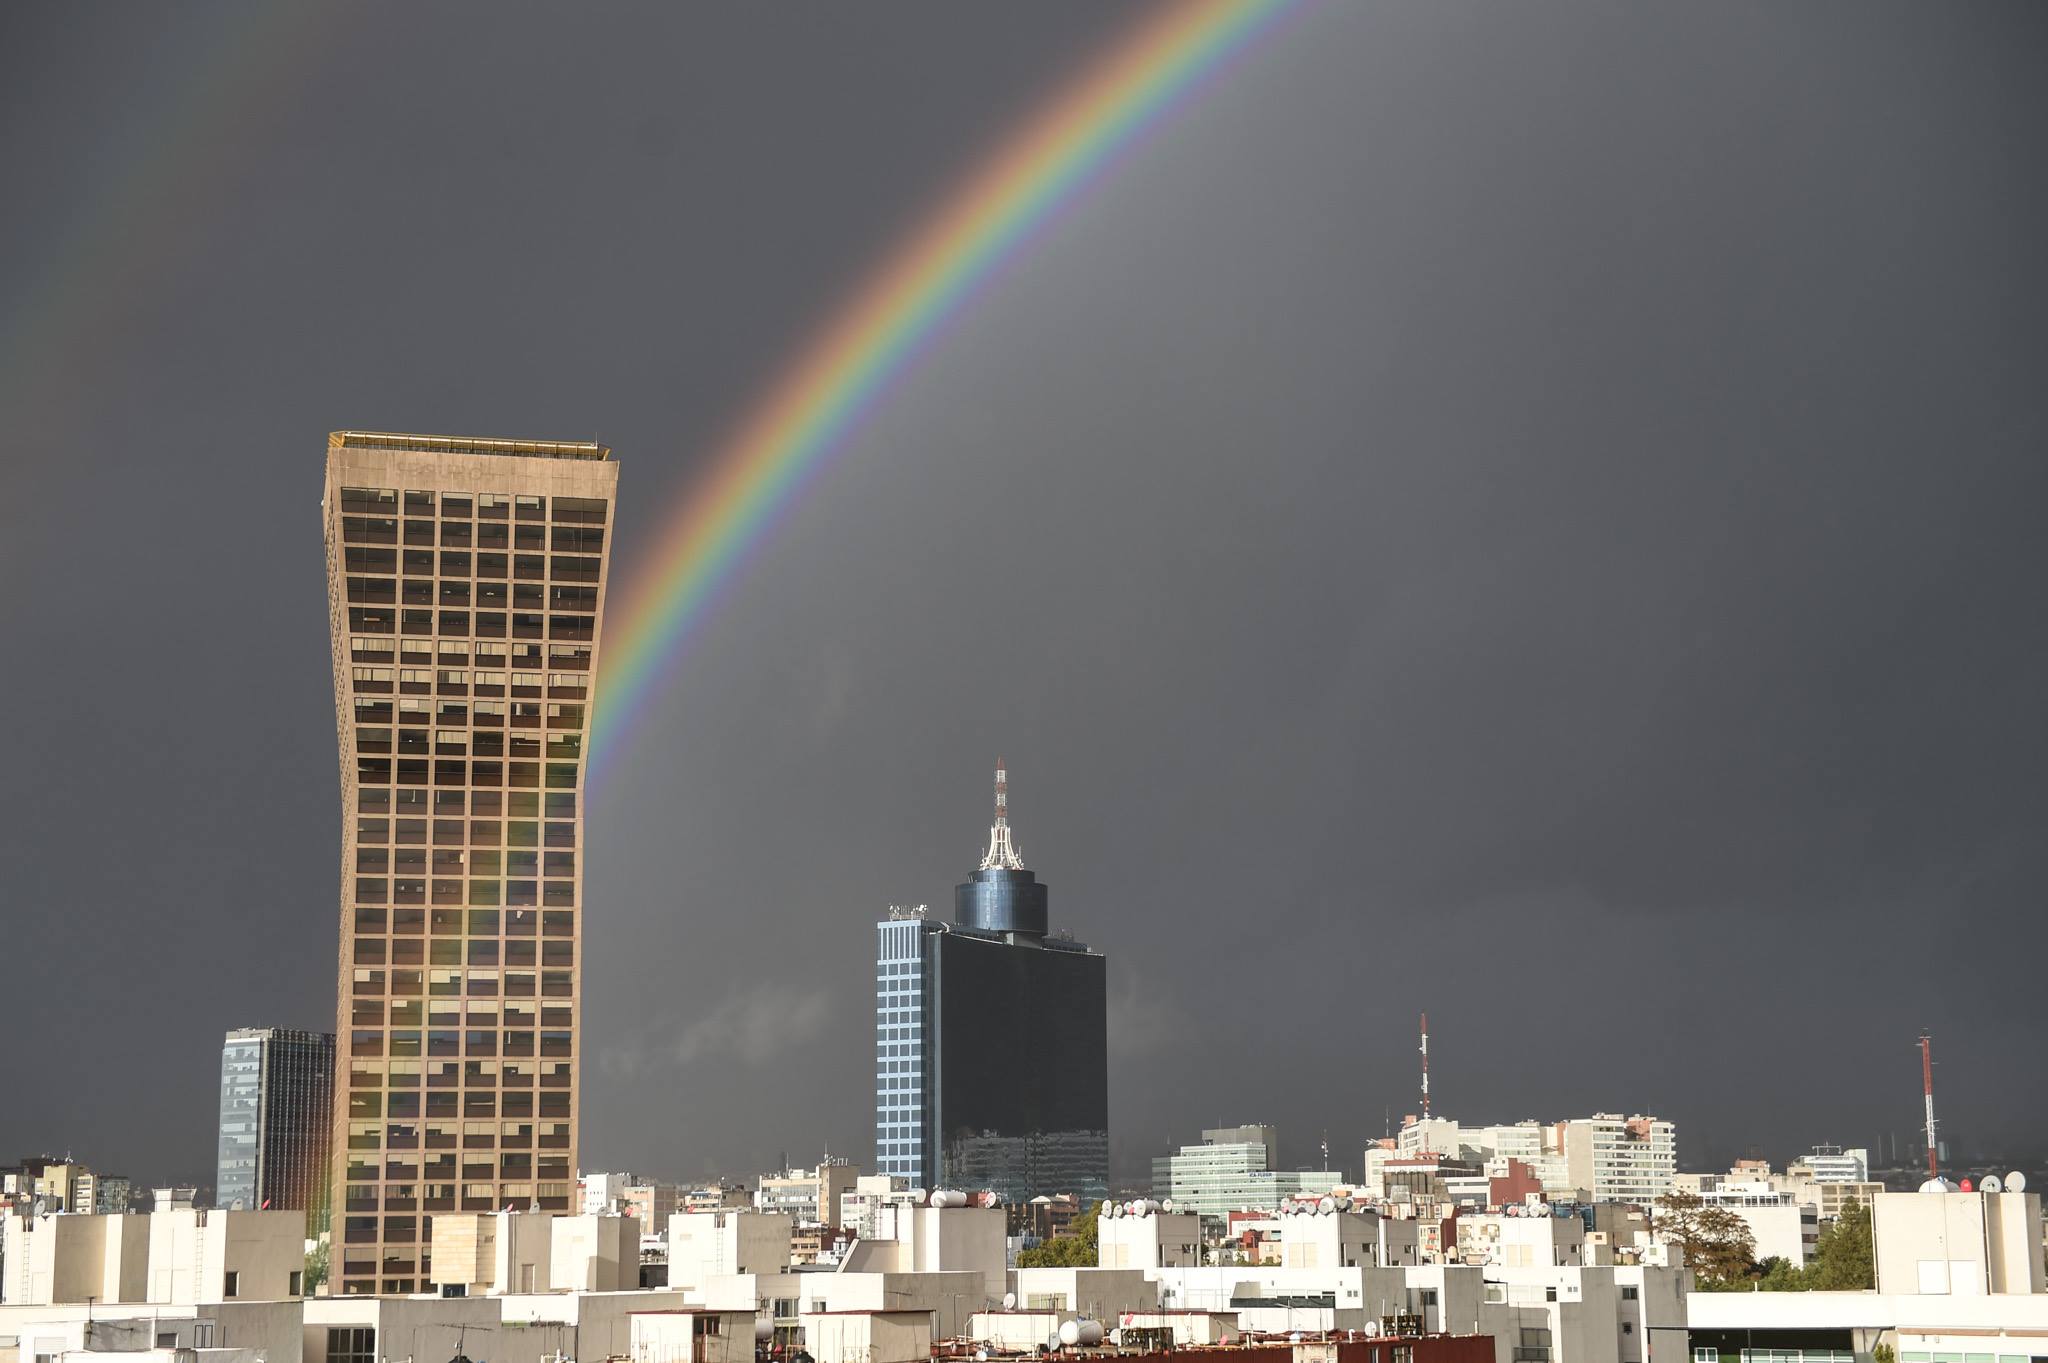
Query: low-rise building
[
  {"x": 1849, "y": 1327},
  {"x": 178, "y": 1257},
  {"x": 714, "y": 1197},
  {"x": 1337, "y": 1237},
  {"x": 913, "y": 1240},
  {"x": 706, "y": 1245},
  {"x": 1095, "y": 1293},
  {"x": 1180, "y": 1329},
  {"x": 220, "y": 1332},
  {"x": 692, "y": 1334},
  {"x": 1958, "y": 1244},
  {"x": 1832, "y": 1164},
  {"x": 1147, "y": 1238},
  {"x": 1018, "y": 1331},
  {"x": 860, "y": 1207},
  {"x": 1783, "y": 1218},
  {"x": 808, "y": 1196},
  {"x": 1515, "y": 1240},
  {"x": 879, "y": 1336}
]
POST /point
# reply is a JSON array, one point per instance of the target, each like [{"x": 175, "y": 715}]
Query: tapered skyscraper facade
[
  {"x": 991, "y": 1040},
  {"x": 465, "y": 583}
]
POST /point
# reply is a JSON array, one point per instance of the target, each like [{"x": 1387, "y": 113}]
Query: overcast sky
[{"x": 1528, "y": 512}]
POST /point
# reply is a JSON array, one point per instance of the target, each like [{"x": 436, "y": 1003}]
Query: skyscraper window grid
[{"x": 466, "y": 582}]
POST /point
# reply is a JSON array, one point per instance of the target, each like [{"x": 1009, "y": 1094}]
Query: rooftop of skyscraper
[{"x": 467, "y": 444}]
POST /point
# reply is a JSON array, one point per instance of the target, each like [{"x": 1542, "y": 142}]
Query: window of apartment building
[
  {"x": 231, "y": 1284},
  {"x": 1628, "y": 1294},
  {"x": 351, "y": 1345}
]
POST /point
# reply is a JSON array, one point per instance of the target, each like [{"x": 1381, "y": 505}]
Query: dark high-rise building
[
  {"x": 276, "y": 1114},
  {"x": 991, "y": 1040}
]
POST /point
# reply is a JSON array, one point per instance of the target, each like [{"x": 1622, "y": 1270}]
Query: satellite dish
[
  {"x": 1990, "y": 1184},
  {"x": 2015, "y": 1182},
  {"x": 1009, "y": 1301}
]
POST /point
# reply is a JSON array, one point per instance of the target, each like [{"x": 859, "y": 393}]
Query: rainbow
[{"x": 838, "y": 374}]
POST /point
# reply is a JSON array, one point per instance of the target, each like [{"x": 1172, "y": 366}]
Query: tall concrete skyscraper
[
  {"x": 465, "y": 583},
  {"x": 276, "y": 1121},
  {"x": 991, "y": 1040}
]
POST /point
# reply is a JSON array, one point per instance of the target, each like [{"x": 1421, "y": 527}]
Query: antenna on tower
[
  {"x": 1425, "y": 1067},
  {"x": 1002, "y": 854},
  {"x": 1927, "y": 1083}
]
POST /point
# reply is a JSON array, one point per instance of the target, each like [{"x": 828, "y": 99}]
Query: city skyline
[{"x": 1435, "y": 526}]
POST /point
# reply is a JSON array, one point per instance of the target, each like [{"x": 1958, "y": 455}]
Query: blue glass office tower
[
  {"x": 991, "y": 1041},
  {"x": 276, "y": 1117}
]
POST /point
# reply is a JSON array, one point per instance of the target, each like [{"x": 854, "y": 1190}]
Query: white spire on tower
[{"x": 1002, "y": 854}]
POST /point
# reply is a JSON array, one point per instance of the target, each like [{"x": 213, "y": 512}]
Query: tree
[
  {"x": 1843, "y": 1258},
  {"x": 1075, "y": 1249},
  {"x": 1841, "y": 1263},
  {"x": 1713, "y": 1242},
  {"x": 316, "y": 1268}
]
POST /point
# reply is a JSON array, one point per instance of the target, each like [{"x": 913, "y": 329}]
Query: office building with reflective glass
[
  {"x": 276, "y": 1122},
  {"x": 991, "y": 1041},
  {"x": 466, "y": 583}
]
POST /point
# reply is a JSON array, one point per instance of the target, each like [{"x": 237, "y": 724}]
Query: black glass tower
[
  {"x": 276, "y": 1116},
  {"x": 991, "y": 1041}
]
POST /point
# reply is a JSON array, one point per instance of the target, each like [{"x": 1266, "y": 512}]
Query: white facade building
[
  {"x": 1232, "y": 1170},
  {"x": 1958, "y": 1244},
  {"x": 1832, "y": 1164},
  {"x": 181, "y": 1257},
  {"x": 1151, "y": 1239},
  {"x": 1620, "y": 1159},
  {"x": 706, "y": 1245}
]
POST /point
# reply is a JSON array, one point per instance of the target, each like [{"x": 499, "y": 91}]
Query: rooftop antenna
[
  {"x": 1927, "y": 1083},
  {"x": 1002, "y": 854},
  {"x": 1425, "y": 1067}
]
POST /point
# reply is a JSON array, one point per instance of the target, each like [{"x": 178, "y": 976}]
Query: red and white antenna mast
[
  {"x": 1002, "y": 854},
  {"x": 1425, "y": 1067},
  {"x": 1927, "y": 1083}
]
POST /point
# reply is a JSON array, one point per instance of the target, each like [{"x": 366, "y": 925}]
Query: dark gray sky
[{"x": 1534, "y": 513}]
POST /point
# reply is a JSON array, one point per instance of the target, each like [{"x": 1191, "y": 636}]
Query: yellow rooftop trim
[{"x": 467, "y": 444}]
